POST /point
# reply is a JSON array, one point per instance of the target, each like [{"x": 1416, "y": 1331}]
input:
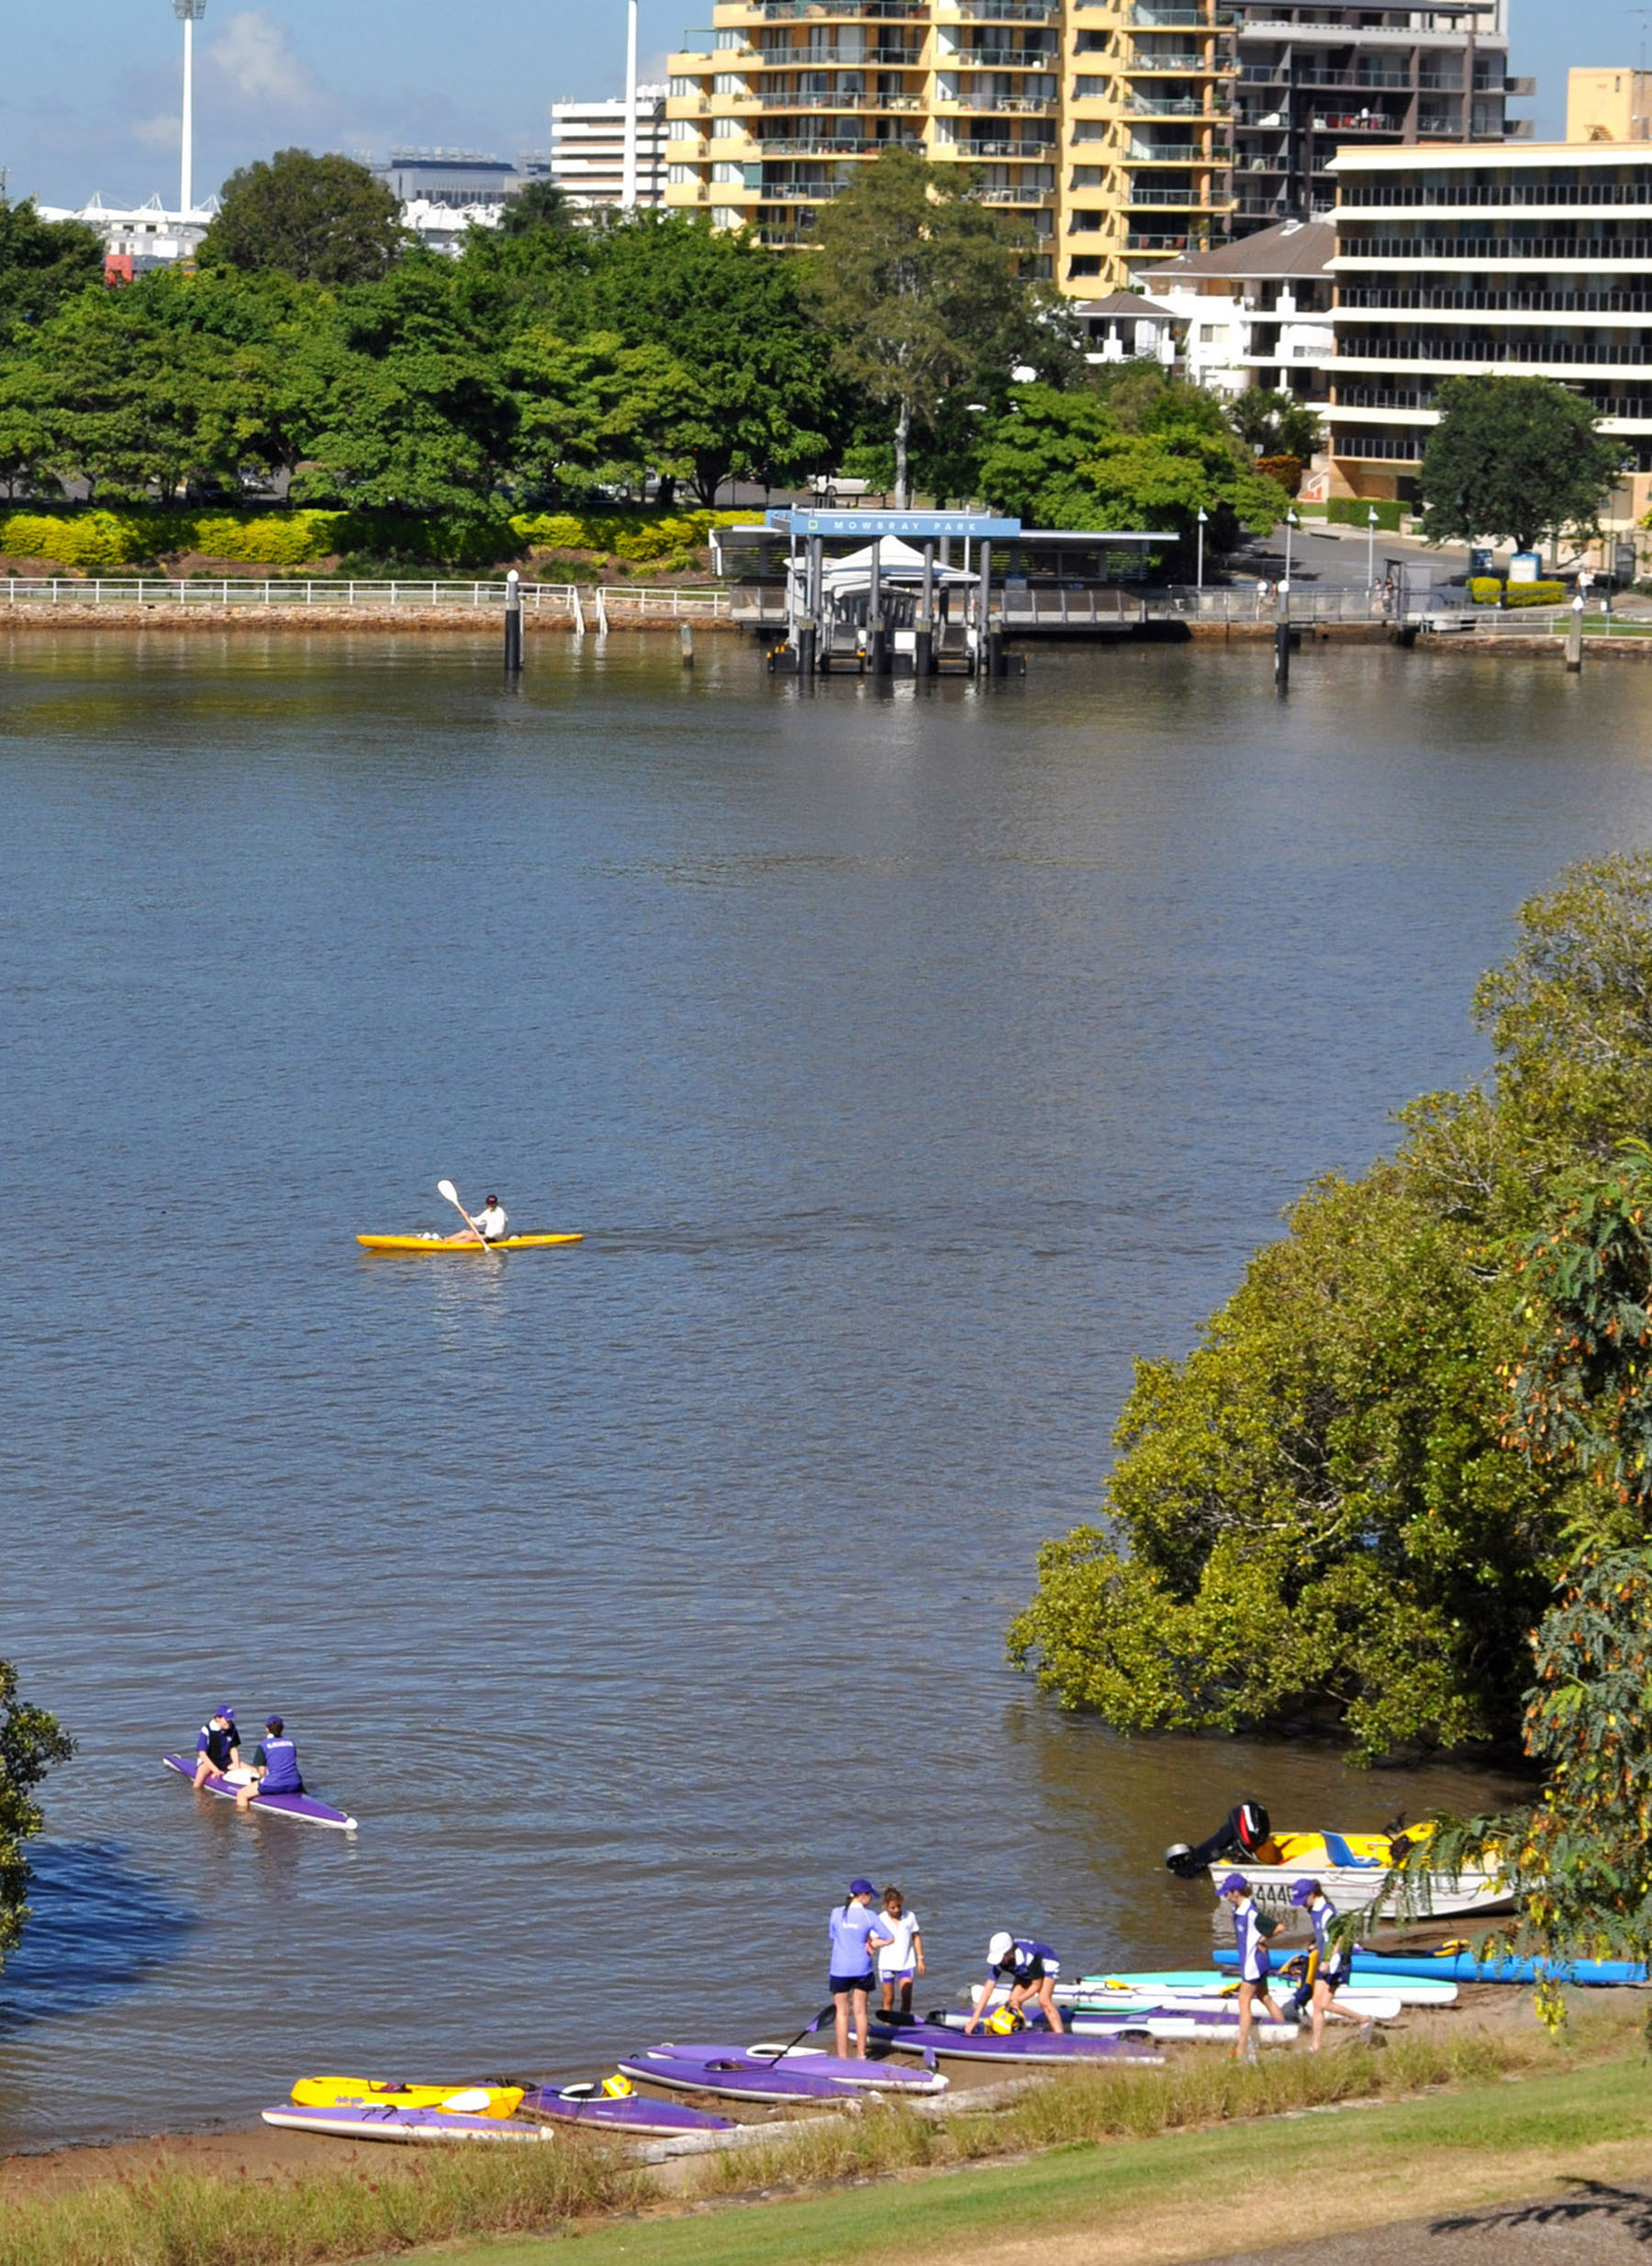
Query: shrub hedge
[{"x": 93, "y": 541}]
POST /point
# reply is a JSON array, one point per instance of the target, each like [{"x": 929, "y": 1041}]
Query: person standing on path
[
  {"x": 902, "y": 1956},
  {"x": 1327, "y": 1965},
  {"x": 856, "y": 1933},
  {"x": 1254, "y": 1965}
]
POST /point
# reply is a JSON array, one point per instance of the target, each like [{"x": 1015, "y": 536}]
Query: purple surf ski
[
  {"x": 588, "y": 2104},
  {"x": 373, "y": 2121},
  {"x": 938, "y": 2037},
  {"x": 303, "y": 1807},
  {"x": 740, "y": 2075}
]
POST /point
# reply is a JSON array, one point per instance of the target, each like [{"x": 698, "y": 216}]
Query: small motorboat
[{"x": 1350, "y": 1868}]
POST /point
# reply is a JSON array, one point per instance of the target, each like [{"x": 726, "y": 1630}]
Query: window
[
  {"x": 1088, "y": 176},
  {"x": 1088, "y": 89},
  {"x": 685, "y": 90},
  {"x": 1085, "y": 223},
  {"x": 1084, "y": 263},
  {"x": 683, "y": 176},
  {"x": 722, "y": 128},
  {"x": 682, "y": 129},
  {"x": 728, "y": 82}
]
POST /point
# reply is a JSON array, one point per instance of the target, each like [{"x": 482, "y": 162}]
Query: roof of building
[
  {"x": 1119, "y": 304},
  {"x": 1292, "y": 247},
  {"x": 1424, "y": 157}
]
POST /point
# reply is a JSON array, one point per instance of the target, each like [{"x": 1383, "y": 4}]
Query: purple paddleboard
[
  {"x": 588, "y": 2104},
  {"x": 740, "y": 2075},
  {"x": 304, "y": 1807},
  {"x": 374, "y": 2122},
  {"x": 937, "y": 2037}
]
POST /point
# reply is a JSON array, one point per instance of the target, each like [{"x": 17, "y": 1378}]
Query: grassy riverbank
[{"x": 1107, "y": 2144}]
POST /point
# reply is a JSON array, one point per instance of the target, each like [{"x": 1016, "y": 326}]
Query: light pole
[
  {"x": 1370, "y": 550},
  {"x": 628, "y": 183},
  {"x": 189, "y": 13},
  {"x": 1202, "y": 528},
  {"x": 1290, "y": 520}
]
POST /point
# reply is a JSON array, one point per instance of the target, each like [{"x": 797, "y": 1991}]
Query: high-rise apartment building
[
  {"x": 1312, "y": 80},
  {"x": 1608, "y": 105},
  {"x": 1107, "y": 127},
  {"x": 587, "y": 149}
]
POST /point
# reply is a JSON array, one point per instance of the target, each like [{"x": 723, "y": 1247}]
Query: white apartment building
[
  {"x": 588, "y": 148},
  {"x": 1529, "y": 260},
  {"x": 1255, "y": 313}
]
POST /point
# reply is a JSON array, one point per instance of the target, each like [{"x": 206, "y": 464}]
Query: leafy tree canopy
[
  {"x": 1354, "y": 1498},
  {"x": 1273, "y": 423},
  {"x": 31, "y": 1742},
  {"x": 1072, "y": 460},
  {"x": 537, "y": 204},
  {"x": 43, "y": 263},
  {"x": 919, "y": 289},
  {"x": 322, "y": 220},
  {"x": 1518, "y": 459}
]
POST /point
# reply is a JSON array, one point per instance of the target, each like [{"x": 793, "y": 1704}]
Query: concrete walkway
[{"x": 1590, "y": 2224}]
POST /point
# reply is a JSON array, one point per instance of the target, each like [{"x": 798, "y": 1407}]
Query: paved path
[{"x": 1591, "y": 2223}]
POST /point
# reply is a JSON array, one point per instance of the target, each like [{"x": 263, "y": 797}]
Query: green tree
[
  {"x": 1517, "y": 459},
  {"x": 1272, "y": 423},
  {"x": 767, "y": 403},
  {"x": 43, "y": 263},
  {"x": 398, "y": 401},
  {"x": 595, "y": 412},
  {"x": 537, "y": 204},
  {"x": 917, "y": 286},
  {"x": 1067, "y": 460},
  {"x": 322, "y": 219},
  {"x": 1353, "y": 1497},
  {"x": 31, "y": 1742}
]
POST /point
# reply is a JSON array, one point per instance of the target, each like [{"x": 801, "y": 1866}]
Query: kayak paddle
[{"x": 446, "y": 1188}]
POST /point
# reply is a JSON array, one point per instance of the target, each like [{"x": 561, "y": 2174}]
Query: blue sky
[{"x": 89, "y": 88}]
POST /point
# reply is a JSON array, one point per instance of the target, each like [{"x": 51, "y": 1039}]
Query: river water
[{"x": 911, "y": 1065}]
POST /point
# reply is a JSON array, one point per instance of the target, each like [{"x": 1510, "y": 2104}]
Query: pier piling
[
  {"x": 513, "y": 623},
  {"x": 1574, "y": 640},
  {"x": 686, "y": 635}
]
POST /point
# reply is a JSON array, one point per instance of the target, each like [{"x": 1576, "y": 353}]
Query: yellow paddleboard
[
  {"x": 421, "y": 1244},
  {"x": 349, "y": 2092}
]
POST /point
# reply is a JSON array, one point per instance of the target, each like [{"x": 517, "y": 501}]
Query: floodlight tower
[
  {"x": 628, "y": 180},
  {"x": 189, "y": 13}
]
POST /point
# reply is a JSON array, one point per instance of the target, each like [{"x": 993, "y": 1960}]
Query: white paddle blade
[{"x": 446, "y": 1188}]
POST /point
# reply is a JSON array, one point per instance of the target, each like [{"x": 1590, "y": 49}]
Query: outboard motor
[{"x": 1241, "y": 1834}]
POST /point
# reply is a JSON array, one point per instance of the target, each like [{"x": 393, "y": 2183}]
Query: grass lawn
[{"x": 1179, "y": 2196}]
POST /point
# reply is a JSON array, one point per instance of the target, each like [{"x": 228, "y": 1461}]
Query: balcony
[
  {"x": 826, "y": 57},
  {"x": 1417, "y": 301},
  {"x": 1177, "y": 200},
  {"x": 1013, "y": 197},
  {"x": 833, "y": 145},
  {"x": 988, "y": 145},
  {"x": 1171, "y": 107},
  {"x": 1155, "y": 242},
  {"x": 812, "y": 11},
  {"x": 1007, "y": 105},
  {"x": 1005, "y": 59},
  {"x": 802, "y": 192},
  {"x": 1008, "y": 11},
  {"x": 1192, "y": 63},
  {"x": 1476, "y": 250}
]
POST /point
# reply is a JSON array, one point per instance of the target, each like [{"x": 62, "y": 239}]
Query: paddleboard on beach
[
  {"x": 303, "y": 1808},
  {"x": 1459, "y": 1966},
  {"x": 364, "y": 2122}
]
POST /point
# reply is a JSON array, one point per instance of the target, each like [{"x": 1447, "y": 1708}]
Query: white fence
[{"x": 597, "y": 603}]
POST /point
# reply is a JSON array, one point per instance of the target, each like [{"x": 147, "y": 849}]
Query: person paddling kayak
[
  {"x": 274, "y": 1766},
  {"x": 218, "y": 1745},
  {"x": 493, "y": 1222}
]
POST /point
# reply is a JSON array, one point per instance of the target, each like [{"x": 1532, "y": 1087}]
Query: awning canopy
[{"x": 896, "y": 562}]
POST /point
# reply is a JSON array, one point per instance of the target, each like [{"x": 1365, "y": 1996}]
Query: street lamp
[
  {"x": 628, "y": 179},
  {"x": 1202, "y": 516},
  {"x": 1291, "y": 521},
  {"x": 1370, "y": 550},
  {"x": 189, "y": 14}
]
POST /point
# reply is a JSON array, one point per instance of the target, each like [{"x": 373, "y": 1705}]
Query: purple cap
[
  {"x": 226, "y": 1711},
  {"x": 1234, "y": 1880},
  {"x": 1302, "y": 1893},
  {"x": 862, "y": 1888}
]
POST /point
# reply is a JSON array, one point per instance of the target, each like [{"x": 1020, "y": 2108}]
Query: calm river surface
[{"x": 912, "y": 1063}]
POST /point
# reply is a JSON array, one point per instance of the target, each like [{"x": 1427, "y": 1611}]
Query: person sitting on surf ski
[
  {"x": 1255, "y": 1966},
  {"x": 1327, "y": 1965},
  {"x": 218, "y": 1748},
  {"x": 274, "y": 1766},
  {"x": 1029, "y": 1968}
]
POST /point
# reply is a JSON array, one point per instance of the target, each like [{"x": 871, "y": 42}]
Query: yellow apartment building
[{"x": 1107, "y": 127}]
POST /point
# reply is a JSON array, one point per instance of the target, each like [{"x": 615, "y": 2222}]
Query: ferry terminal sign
[{"x": 924, "y": 526}]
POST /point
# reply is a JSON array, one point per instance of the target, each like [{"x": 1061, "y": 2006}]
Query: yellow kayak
[
  {"x": 421, "y": 1244},
  {"x": 344, "y": 2093}
]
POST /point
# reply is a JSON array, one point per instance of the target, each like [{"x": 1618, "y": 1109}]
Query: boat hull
[{"x": 424, "y": 1246}]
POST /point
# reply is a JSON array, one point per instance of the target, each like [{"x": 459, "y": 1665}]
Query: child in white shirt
[{"x": 902, "y": 1956}]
